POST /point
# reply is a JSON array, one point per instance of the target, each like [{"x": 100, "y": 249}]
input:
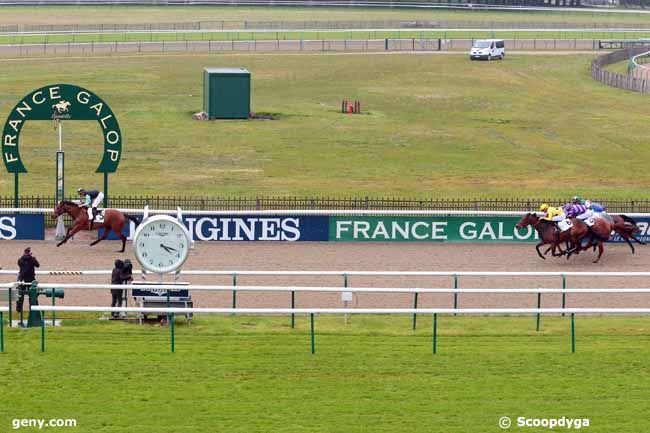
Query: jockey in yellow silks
[{"x": 552, "y": 213}]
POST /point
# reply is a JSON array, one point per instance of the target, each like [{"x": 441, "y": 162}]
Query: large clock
[{"x": 161, "y": 244}]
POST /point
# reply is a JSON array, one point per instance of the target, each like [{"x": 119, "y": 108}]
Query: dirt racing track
[{"x": 317, "y": 256}]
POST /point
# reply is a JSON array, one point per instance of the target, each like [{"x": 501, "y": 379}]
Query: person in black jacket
[
  {"x": 122, "y": 274},
  {"x": 26, "y": 273},
  {"x": 116, "y": 294}
]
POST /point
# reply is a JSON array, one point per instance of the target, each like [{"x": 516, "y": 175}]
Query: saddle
[
  {"x": 98, "y": 215},
  {"x": 565, "y": 225}
]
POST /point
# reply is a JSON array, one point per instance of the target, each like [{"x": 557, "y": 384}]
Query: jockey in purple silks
[{"x": 577, "y": 210}]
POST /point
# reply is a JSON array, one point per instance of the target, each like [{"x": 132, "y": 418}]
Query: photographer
[
  {"x": 26, "y": 273},
  {"x": 122, "y": 274},
  {"x": 116, "y": 294}
]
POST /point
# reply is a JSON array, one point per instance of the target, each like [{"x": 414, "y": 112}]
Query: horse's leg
[
  {"x": 104, "y": 236},
  {"x": 121, "y": 235},
  {"x": 637, "y": 240},
  {"x": 627, "y": 240},
  {"x": 70, "y": 233},
  {"x": 600, "y": 251},
  {"x": 552, "y": 247},
  {"x": 539, "y": 253}
]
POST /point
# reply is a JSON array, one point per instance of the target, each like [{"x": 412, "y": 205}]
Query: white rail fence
[
  {"x": 415, "y": 291},
  {"x": 562, "y": 289},
  {"x": 171, "y": 312}
]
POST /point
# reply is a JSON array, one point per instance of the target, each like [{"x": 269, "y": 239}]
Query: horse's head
[
  {"x": 63, "y": 207},
  {"x": 529, "y": 219}
]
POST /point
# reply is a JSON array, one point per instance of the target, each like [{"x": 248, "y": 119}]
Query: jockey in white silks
[{"x": 91, "y": 200}]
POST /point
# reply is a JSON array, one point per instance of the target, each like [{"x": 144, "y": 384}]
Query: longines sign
[{"x": 65, "y": 102}]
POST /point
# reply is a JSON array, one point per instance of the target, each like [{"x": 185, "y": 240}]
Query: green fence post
[
  {"x": 455, "y": 293},
  {"x": 539, "y": 305},
  {"x": 313, "y": 346},
  {"x": 42, "y": 332},
  {"x": 345, "y": 280},
  {"x": 435, "y": 333},
  {"x": 293, "y": 305},
  {"x": 53, "y": 305},
  {"x": 172, "y": 331},
  {"x": 563, "y": 293},
  {"x": 2, "y": 332},
  {"x": 234, "y": 292},
  {"x": 10, "y": 306},
  {"x": 415, "y": 306},
  {"x": 573, "y": 333},
  {"x": 168, "y": 305}
]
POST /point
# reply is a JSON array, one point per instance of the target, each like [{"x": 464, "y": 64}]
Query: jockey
[
  {"x": 91, "y": 199},
  {"x": 577, "y": 210},
  {"x": 596, "y": 207},
  {"x": 554, "y": 214}
]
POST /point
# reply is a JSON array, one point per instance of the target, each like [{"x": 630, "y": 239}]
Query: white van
[{"x": 488, "y": 49}]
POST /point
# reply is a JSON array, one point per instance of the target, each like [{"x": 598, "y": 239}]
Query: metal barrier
[
  {"x": 286, "y": 45},
  {"x": 171, "y": 312},
  {"x": 346, "y": 275}
]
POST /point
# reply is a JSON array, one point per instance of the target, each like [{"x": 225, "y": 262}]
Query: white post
[{"x": 60, "y": 225}]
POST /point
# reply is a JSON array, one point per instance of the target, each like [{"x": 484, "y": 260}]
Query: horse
[
  {"x": 599, "y": 234},
  {"x": 626, "y": 228},
  {"x": 113, "y": 220},
  {"x": 549, "y": 236}
]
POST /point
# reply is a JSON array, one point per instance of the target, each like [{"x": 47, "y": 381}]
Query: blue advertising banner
[
  {"x": 22, "y": 227},
  {"x": 285, "y": 228}
]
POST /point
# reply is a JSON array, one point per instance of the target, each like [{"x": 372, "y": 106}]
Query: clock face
[{"x": 161, "y": 244}]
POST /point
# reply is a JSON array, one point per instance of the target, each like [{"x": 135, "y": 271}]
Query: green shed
[{"x": 227, "y": 93}]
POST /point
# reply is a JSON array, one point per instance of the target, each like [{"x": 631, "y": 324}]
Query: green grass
[
  {"x": 314, "y": 35},
  {"x": 250, "y": 374},
  {"x": 434, "y": 125},
  {"x": 138, "y": 14}
]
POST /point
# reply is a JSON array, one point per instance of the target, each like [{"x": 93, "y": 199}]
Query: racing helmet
[
  {"x": 80, "y": 190},
  {"x": 576, "y": 199},
  {"x": 543, "y": 207}
]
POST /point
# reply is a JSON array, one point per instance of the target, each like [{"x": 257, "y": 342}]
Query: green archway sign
[{"x": 62, "y": 102}]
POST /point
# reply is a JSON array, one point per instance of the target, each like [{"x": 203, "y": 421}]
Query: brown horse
[
  {"x": 549, "y": 235},
  {"x": 599, "y": 234},
  {"x": 113, "y": 220},
  {"x": 626, "y": 228}
]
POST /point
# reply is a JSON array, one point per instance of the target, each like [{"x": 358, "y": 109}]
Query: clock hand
[{"x": 168, "y": 249}]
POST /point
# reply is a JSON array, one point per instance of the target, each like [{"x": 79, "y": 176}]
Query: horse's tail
[
  {"x": 136, "y": 220},
  {"x": 630, "y": 224}
]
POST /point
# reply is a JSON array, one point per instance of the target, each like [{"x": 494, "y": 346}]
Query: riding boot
[{"x": 90, "y": 223}]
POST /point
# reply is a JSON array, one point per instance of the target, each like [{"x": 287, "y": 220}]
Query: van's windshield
[{"x": 482, "y": 44}]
